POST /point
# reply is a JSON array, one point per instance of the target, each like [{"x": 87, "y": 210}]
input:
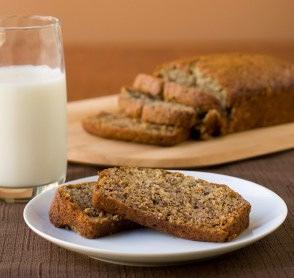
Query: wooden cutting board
[{"x": 85, "y": 148}]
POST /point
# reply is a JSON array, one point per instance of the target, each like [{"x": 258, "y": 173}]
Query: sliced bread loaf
[
  {"x": 118, "y": 126},
  {"x": 254, "y": 90},
  {"x": 72, "y": 208},
  {"x": 172, "y": 202},
  {"x": 179, "y": 86},
  {"x": 140, "y": 105}
]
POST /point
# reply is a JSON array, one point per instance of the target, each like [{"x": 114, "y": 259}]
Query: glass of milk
[{"x": 32, "y": 106}]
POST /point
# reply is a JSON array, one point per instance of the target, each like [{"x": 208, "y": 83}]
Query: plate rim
[{"x": 226, "y": 247}]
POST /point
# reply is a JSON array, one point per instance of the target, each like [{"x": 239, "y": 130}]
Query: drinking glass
[{"x": 32, "y": 106}]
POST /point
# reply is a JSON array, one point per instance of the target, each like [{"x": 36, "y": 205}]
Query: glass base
[{"x": 23, "y": 195}]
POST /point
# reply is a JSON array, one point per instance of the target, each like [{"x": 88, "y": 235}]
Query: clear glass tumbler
[{"x": 32, "y": 106}]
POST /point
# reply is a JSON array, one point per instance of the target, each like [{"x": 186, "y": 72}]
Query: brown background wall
[
  {"x": 95, "y": 21},
  {"x": 107, "y": 42}
]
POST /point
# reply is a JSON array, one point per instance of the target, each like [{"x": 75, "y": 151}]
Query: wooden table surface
[{"x": 94, "y": 71}]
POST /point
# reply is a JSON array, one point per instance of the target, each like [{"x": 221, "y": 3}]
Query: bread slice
[
  {"x": 195, "y": 97},
  {"x": 140, "y": 105},
  {"x": 174, "y": 203},
  {"x": 148, "y": 84},
  {"x": 132, "y": 102},
  {"x": 120, "y": 127},
  {"x": 72, "y": 208}
]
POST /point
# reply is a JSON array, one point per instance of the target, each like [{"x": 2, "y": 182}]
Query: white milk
[{"x": 32, "y": 125}]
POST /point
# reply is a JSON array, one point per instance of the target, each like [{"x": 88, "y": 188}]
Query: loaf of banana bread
[
  {"x": 202, "y": 97},
  {"x": 172, "y": 202},
  {"x": 253, "y": 90}
]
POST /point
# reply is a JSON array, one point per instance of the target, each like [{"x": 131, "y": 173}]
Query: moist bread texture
[
  {"x": 119, "y": 126},
  {"x": 199, "y": 99},
  {"x": 254, "y": 90},
  {"x": 139, "y": 105},
  {"x": 72, "y": 208},
  {"x": 172, "y": 202}
]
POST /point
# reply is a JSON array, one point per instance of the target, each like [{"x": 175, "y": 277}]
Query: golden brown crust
[
  {"x": 148, "y": 84},
  {"x": 183, "y": 64},
  {"x": 123, "y": 128},
  {"x": 241, "y": 74},
  {"x": 138, "y": 105},
  {"x": 235, "y": 224},
  {"x": 261, "y": 110},
  {"x": 65, "y": 213}
]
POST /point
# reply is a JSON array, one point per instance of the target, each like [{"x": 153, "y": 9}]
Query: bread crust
[
  {"x": 261, "y": 109},
  {"x": 155, "y": 111},
  {"x": 234, "y": 227},
  {"x": 240, "y": 74},
  {"x": 135, "y": 131},
  {"x": 64, "y": 213}
]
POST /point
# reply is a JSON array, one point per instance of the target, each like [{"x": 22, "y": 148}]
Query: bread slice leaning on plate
[{"x": 72, "y": 208}]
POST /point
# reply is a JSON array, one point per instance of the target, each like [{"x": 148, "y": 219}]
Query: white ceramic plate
[{"x": 146, "y": 247}]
